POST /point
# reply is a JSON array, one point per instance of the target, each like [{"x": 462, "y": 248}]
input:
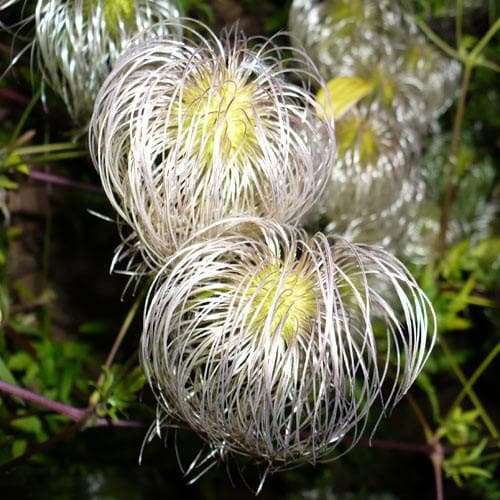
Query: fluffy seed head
[
  {"x": 284, "y": 294},
  {"x": 185, "y": 133},
  {"x": 374, "y": 189},
  {"x": 276, "y": 346},
  {"x": 377, "y": 41},
  {"x": 78, "y": 41}
]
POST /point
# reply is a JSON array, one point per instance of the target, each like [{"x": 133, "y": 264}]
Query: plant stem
[
  {"x": 55, "y": 406},
  {"x": 472, "y": 380},
  {"x": 63, "y": 181},
  {"x": 421, "y": 418},
  {"x": 116, "y": 345},
  {"x": 484, "y": 41},
  {"x": 67, "y": 431},
  {"x": 439, "y": 42},
  {"x": 458, "y": 23},
  {"x": 71, "y": 412},
  {"x": 489, "y": 64},
  {"x": 437, "y": 458},
  {"x": 14, "y": 96},
  {"x": 470, "y": 392},
  {"x": 22, "y": 121},
  {"x": 46, "y": 148},
  {"x": 455, "y": 144}
]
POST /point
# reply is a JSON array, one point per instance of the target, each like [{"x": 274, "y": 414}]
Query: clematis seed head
[
  {"x": 275, "y": 346},
  {"x": 186, "y": 133},
  {"x": 78, "y": 41}
]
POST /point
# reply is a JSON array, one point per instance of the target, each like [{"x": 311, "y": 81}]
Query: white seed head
[
  {"x": 78, "y": 41},
  {"x": 374, "y": 190},
  {"x": 377, "y": 41},
  {"x": 185, "y": 133},
  {"x": 276, "y": 346}
]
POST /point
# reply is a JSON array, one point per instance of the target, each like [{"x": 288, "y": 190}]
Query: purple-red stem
[
  {"x": 14, "y": 96},
  {"x": 63, "y": 181},
  {"x": 71, "y": 412}
]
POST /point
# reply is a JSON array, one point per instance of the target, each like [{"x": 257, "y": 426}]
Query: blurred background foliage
[{"x": 61, "y": 311}]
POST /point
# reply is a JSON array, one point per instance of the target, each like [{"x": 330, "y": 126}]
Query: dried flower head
[
  {"x": 185, "y": 133},
  {"x": 374, "y": 190},
  {"x": 78, "y": 41},
  {"x": 275, "y": 346},
  {"x": 475, "y": 206},
  {"x": 336, "y": 31},
  {"x": 378, "y": 42}
]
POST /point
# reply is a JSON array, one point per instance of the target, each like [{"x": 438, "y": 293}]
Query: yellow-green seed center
[
  {"x": 114, "y": 11},
  {"x": 282, "y": 300},
  {"x": 354, "y": 133},
  {"x": 218, "y": 115}
]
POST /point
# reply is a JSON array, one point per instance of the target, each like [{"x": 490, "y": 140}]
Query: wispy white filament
[
  {"x": 7, "y": 3},
  {"x": 377, "y": 41},
  {"x": 354, "y": 328},
  {"x": 78, "y": 41},
  {"x": 186, "y": 132},
  {"x": 374, "y": 189}
]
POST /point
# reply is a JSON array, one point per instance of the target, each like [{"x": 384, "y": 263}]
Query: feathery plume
[
  {"x": 276, "y": 346},
  {"x": 187, "y": 132},
  {"x": 77, "y": 42},
  {"x": 374, "y": 189},
  {"x": 377, "y": 41}
]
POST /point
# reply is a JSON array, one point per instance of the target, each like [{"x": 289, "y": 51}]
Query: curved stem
[
  {"x": 455, "y": 145},
  {"x": 484, "y": 41},
  {"x": 71, "y": 412},
  {"x": 458, "y": 23},
  {"x": 439, "y": 42},
  {"x": 55, "y": 406},
  {"x": 437, "y": 458},
  {"x": 472, "y": 380},
  {"x": 46, "y": 148},
  {"x": 421, "y": 418},
  {"x": 63, "y": 181},
  {"x": 470, "y": 392},
  {"x": 95, "y": 397}
]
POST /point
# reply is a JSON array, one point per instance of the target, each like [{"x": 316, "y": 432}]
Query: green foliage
[
  {"x": 118, "y": 391},
  {"x": 462, "y": 427},
  {"x": 64, "y": 362}
]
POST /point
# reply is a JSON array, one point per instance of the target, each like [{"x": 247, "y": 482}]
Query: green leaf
[
  {"x": 97, "y": 326},
  {"x": 425, "y": 383},
  {"x": 470, "y": 470},
  {"x": 6, "y": 183},
  {"x": 345, "y": 92},
  {"x": 31, "y": 424},
  {"x": 21, "y": 361},
  {"x": 19, "y": 446},
  {"x": 6, "y": 374}
]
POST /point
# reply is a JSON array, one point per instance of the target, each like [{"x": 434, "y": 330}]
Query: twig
[
  {"x": 393, "y": 445},
  {"x": 437, "y": 458},
  {"x": 76, "y": 414},
  {"x": 470, "y": 391},
  {"x": 455, "y": 144},
  {"x": 421, "y": 417},
  {"x": 14, "y": 96},
  {"x": 121, "y": 335},
  {"x": 472, "y": 380},
  {"x": 63, "y": 181},
  {"x": 68, "y": 411}
]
